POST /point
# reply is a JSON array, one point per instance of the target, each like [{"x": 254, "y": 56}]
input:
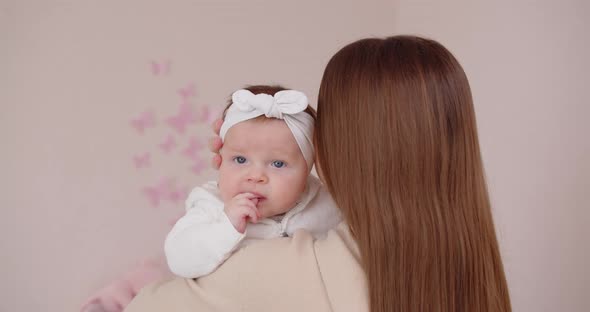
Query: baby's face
[{"x": 263, "y": 158}]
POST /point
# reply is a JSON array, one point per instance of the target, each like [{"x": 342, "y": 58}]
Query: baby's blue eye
[
  {"x": 278, "y": 164},
  {"x": 240, "y": 159}
]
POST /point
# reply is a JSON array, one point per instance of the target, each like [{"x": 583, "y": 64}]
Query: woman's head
[{"x": 397, "y": 147}]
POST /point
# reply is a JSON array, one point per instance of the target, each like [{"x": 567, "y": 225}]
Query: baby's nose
[{"x": 257, "y": 177}]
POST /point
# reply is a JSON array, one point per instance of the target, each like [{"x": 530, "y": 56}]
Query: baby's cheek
[
  {"x": 223, "y": 193},
  {"x": 292, "y": 191},
  {"x": 299, "y": 182},
  {"x": 225, "y": 188}
]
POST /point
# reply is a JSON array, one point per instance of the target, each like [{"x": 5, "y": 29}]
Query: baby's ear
[
  {"x": 216, "y": 161},
  {"x": 217, "y": 125}
]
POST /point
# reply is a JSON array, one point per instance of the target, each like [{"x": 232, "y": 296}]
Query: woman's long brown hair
[{"x": 397, "y": 147}]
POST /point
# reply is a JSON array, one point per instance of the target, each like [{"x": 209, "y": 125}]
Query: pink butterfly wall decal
[
  {"x": 155, "y": 194},
  {"x": 187, "y": 92},
  {"x": 193, "y": 148},
  {"x": 162, "y": 68},
  {"x": 198, "y": 166},
  {"x": 177, "y": 194},
  {"x": 182, "y": 119},
  {"x": 186, "y": 114},
  {"x": 142, "y": 161},
  {"x": 168, "y": 144},
  {"x": 145, "y": 120},
  {"x": 208, "y": 115}
]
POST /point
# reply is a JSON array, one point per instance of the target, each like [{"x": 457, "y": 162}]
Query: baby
[{"x": 265, "y": 189}]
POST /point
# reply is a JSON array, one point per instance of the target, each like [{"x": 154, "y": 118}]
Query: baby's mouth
[{"x": 259, "y": 198}]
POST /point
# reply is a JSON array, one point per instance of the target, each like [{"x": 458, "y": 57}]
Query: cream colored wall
[
  {"x": 528, "y": 66},
  {"x": 74, "y": 73}
]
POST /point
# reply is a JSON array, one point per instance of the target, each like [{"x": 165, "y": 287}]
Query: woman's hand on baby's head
[
  {"x": 215, "y": 144},
  {"x": 242, "y": 209}
]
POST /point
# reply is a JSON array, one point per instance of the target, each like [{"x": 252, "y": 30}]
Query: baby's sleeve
[{"x": 203, "y": 238}]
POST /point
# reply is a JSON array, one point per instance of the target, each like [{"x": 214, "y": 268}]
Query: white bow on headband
[
  {"x": 287, "y": 102},
  {"x": 288, "y": 105}
]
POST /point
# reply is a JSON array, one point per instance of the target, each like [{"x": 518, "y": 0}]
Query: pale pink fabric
[{"x": 117, "y": 295}]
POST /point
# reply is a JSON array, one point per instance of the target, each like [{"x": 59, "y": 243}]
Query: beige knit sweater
[{"x": 282, "y": 274}]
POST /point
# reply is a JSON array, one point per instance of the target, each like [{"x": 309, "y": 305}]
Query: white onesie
[{"x": 204, "y": 237}]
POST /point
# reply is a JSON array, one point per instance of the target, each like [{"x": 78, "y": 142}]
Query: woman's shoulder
[
  {"x": 296, "y": 273},
  {"x": 301, "y": 272},
  {"x": 339, "y": 261}
]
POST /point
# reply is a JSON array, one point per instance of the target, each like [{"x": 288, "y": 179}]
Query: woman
[{"x": 397, "y": 148}]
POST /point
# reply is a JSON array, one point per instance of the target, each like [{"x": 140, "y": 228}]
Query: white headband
[{"x": 288, "y": 105}]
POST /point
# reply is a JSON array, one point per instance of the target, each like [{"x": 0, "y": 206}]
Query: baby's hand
[{"x": 241, "y": 209}]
